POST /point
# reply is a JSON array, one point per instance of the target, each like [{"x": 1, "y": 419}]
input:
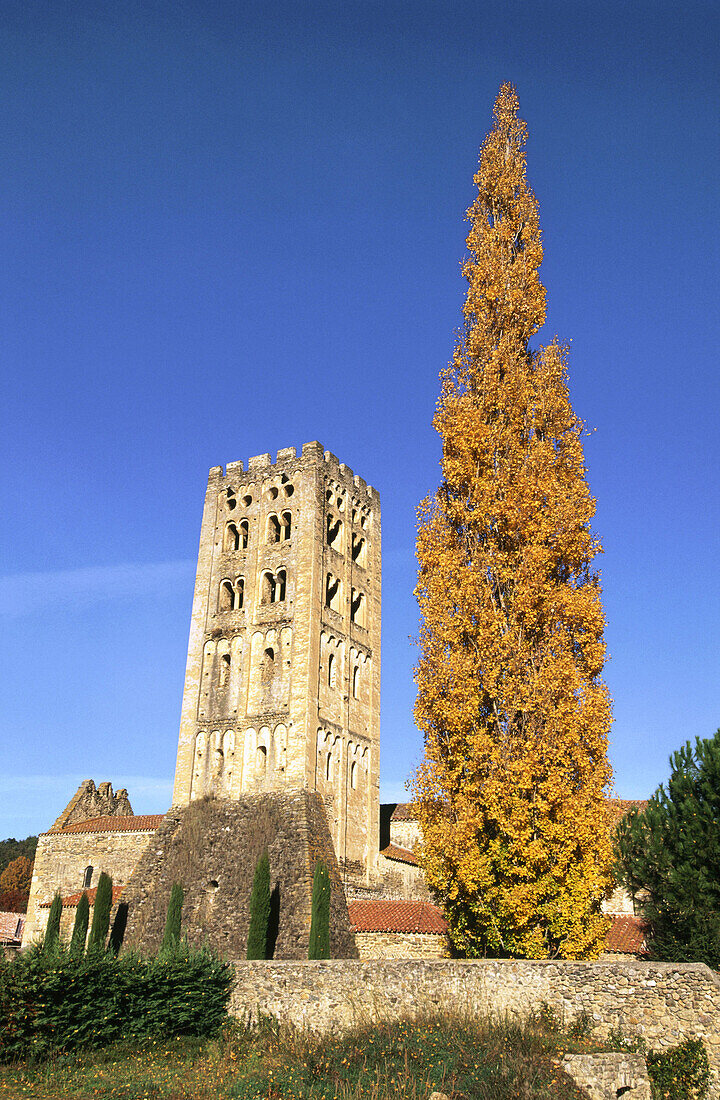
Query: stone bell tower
[{"x": 282, "y": 688}]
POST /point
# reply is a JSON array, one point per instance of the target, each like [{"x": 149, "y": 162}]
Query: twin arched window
[
  {"x": 237, "y": 535},
  {"x": 232, "y": 595},
  {"x": 273, "y": 587}
]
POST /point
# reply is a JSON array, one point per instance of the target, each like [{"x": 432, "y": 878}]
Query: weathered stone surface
[
  {"x": 608, "y": 1076},
  {"x": 282, "y": 687},
  {"x": 401, "y": 945},
  {"x": 212, "y": 847},
  {"x": 90, "y": 801},
  {"x": 335, "y": 994}
]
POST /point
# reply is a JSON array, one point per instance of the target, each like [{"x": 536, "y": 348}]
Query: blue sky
[{"x": 232, "y": 227}]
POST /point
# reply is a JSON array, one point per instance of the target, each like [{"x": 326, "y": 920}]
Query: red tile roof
[
  {"x": 626, "y": 936},
  {"x": 404, "y": 811},
  {"x": 401, "y": 855},
  {"x": 396, "y": 916},
  {"x": 72, "y": 899},
  {"x": 11, "y": 927},
  {"x": 133, "y": 823}
]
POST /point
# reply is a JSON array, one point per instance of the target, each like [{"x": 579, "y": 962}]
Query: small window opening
[
  {"x": 273, "y": 529},
  {"x": 331, "y": 670},
  {"x": 224, "y": 674},
  {"x": 334, "y": 527},
  {"x": 247, "y": 500},
  {"x": 230, "y": 501},
  {"x": 328, "y": 766},
  {"x": 358, "y": 549},
  {"x": 286, "y": 524},
  {"x": 280, "y": 586},
  {"x": 354, "y": 515},
  {"x": 232, "y": 537},
  {"x": 289, "y": 490},
  {"x": 268, "y": 664},
  {"x": 261, "y": 758},
  {"x": 87, "y": 876},
  {"x": 272, "y": 492},
  {"x": 239, "y": 592},
  {"x": 357, "y": 608},
  {"x": 226, "y": 600},
  {"x": 341, "y": 504},
  {"x": 353, "y": 775},
  {"x": 244, "y": 534},
  {"x": 332, "y": 592},
  {"x": 328, "y": 495},
  {"x": 268, "y": 589},
  {"x": 355, "y": 681}
]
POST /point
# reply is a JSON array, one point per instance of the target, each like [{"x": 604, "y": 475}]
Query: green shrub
[
  {"x": 174, "y": 918},
  {"x": 52, "y": 931},
  {"x": 319, "y": 947},
  {"x": 681, "y": 1073},
  {"x": 80, "y": 927},
  {"x": 60, "y": 1002},
  {"x": 259, "y": 910},
  {"x": 101, "y": 914}
]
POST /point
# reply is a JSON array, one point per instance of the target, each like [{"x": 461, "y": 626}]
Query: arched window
[
  {"x": 286, "y": 525},
  {"x": 273, "y": 529},
  {"x": 224, "y": 673},
  {"x": 332, "y": 592},
  {"x": 355, "y": 681},
  {"x": 334, "y": 529},
  {"x": 268, "y": 664},
  {"x": 226, "y": 598},
  {"x": 87, "y": 876},
  {"x": 239, "y": 592},
  {"x": 358, "y": 549},
  {"x": 357, "y": 608},
  {"x": 232, "y": 537},
  {"x": 244, "y": 534},
  {"x": 331, "y": 670},
  {"x": 281, "y": 585},
  {"x": 261, "y": 759},
  {"x": 267, "y": 589}
]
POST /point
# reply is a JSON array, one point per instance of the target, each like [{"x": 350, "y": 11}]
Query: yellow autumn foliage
[{"x": 510, "y": 793}]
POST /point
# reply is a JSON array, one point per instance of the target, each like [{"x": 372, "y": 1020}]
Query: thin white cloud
[{"x": 26, "y": 593}]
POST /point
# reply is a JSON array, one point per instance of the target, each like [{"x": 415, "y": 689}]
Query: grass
[{"x": 468, "y": 1059}]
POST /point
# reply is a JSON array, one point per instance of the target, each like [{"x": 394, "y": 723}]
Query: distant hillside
[{"x": 10, "y": 849}]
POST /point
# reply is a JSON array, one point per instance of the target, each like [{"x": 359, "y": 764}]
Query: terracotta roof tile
[
  {"x": 626, "y": 936},
  {"x": 396, "y": 916},
  {"x": 133, "y": 823},
  {"x": 11, "y": 927},
  {"x": 72, "y": 899},
  {"x": 404, "y": 811},
  {"x": 402, "y": 855}
]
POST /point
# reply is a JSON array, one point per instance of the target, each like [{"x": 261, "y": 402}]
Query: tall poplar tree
[{"x": 510, "y": 697}]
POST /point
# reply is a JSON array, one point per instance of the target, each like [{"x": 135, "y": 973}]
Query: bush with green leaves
[
  {"x": 60, "y": 1001},
  {"x": 259, "y": 910},
  {"x": 668, "y": 856},
  {"x": 319, "y": 947},
  {"x": 682, "y": 1073}
]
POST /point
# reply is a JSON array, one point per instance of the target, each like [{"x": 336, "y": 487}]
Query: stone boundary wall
[
  {"x": 662, "y": 1002},
  {"x": 402, "y": 945}
]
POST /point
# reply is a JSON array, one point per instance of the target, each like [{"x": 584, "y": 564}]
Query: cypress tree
[
  {"x": 259, "y": 910},
  {"x": 515, "y": 715},
  {"x": 52, "y": 932},
  {"x": 117, "y": 932},
  {"x": 101, "y": 914},
  {"x": 319, "y": 947},
  {"x": 174, "y": 918},
  {"x": 80, "y": 927},
  {"x": 669, "y": 858}
]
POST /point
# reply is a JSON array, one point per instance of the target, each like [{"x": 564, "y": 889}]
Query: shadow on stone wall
[{"x": 212, "y": 847}]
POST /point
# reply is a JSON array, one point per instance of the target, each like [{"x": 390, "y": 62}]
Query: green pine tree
[
  {"x": 101, "y": 914},
  {"x": 52, "y": 932},
  {"x": 320, "y": 919},
  {"x": 174, "y": 918},
  {"x": 259, "y": 910},
  {"x": 80, "y": 927},
  {"x": 669, "y": 858}
]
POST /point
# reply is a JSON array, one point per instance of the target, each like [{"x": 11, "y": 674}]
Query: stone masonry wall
[
  {"x": 662, "y": 1002},
  {"x": 212, "y": 848},
  {"x": 60, "y": 862},
  {"x": 401, "y": 945}
]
